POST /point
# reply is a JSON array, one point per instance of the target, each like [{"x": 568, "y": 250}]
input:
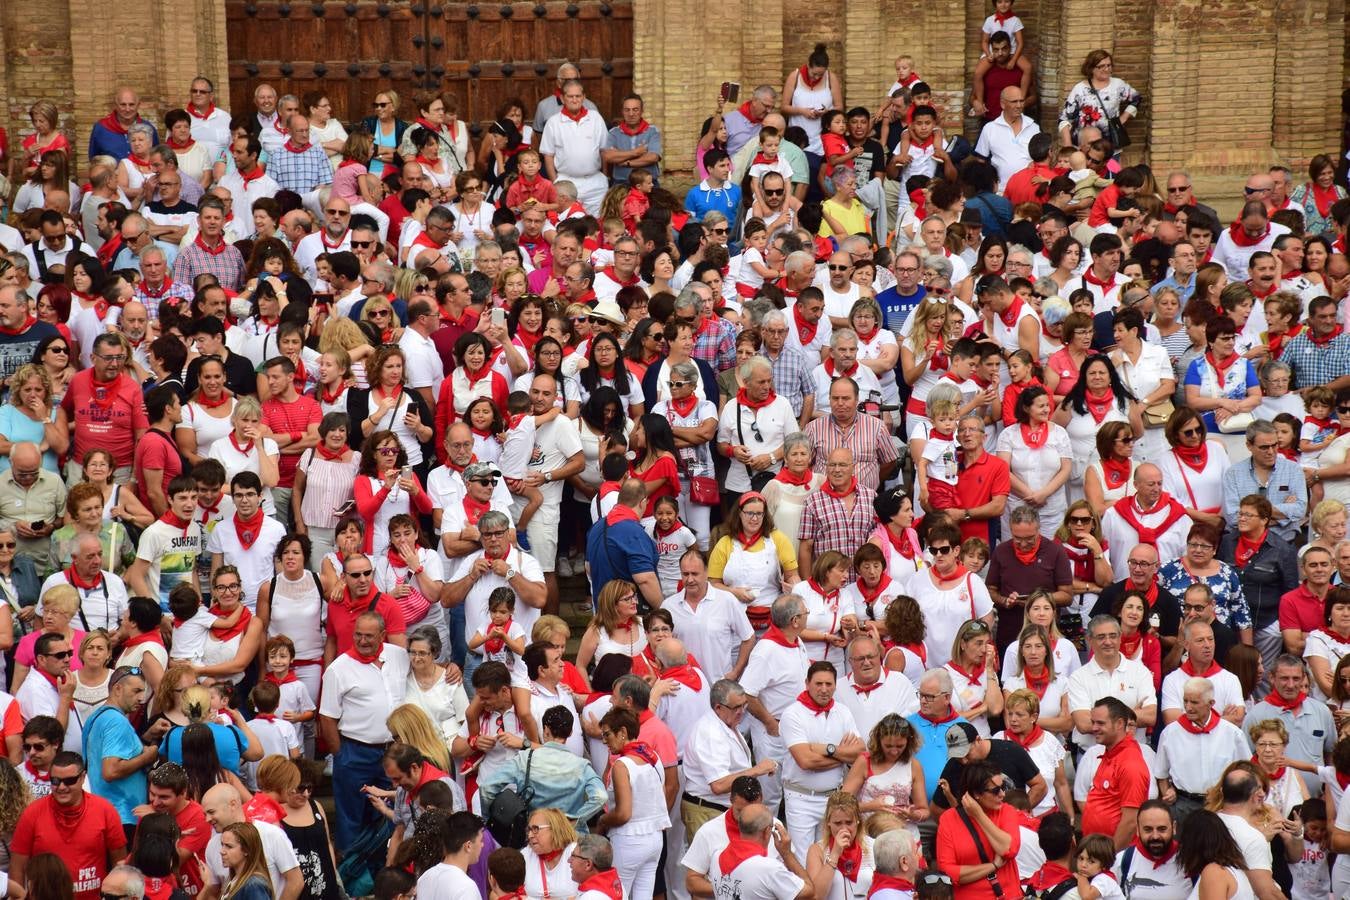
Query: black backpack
[{"x": 509, "y": 813}]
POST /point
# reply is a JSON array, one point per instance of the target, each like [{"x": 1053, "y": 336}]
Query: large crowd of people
[{"x": 936, "y": 519}]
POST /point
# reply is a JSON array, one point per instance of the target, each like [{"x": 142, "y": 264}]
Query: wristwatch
[
  {"x": 548, "y": 476},
  {"x": 511, "y": 573},
  {"x": 829, "y": 750}
]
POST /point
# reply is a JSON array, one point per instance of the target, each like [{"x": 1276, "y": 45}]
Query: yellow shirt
[
  {"x": 852, "y": 218},
  {"x": 787, "y": 556}
]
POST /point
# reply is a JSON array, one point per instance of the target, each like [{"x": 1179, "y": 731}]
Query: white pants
[
  {"x": 873, "y": 196},
  {"x": 322, "y": 541},
  {"x": 635, "y": 859},
  {"x": 590, "y": 190},
  {"x": 676, "y": 841},
  {"x": 804, "y": 813}
]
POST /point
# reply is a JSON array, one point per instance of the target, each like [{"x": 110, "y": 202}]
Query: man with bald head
[
  {"x": 277, "y": 131},
  {"x": 109, "y": 137},
  {"x": 1149, "y": 516},
  {"x": 300, "y": 165},
  {"x": 1251, "y": 233},
  {"x": 1142, "y": 575},
  {"x": 335, "y": 236},
  {"x": 265, "y": 106},
  {"x": 32, "y": 502},
  {"x": 795, "y": 156},
  {"x": 222, "y": 807},
  {"x": 103, "y": 595},
  {"x": 1004, "y": 141}
]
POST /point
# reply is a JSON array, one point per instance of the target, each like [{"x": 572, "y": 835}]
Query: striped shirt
[{"x": 866, "y": 438}]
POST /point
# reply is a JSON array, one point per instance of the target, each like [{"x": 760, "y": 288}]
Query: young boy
[
  {"x": 42, "y": 737},
  {"x": 1319, "y": 429},
  {"x": 974, "y": 554},
  {"x": 517, "y": 445},
  {"x": 905, "y": 76},
  {"x": 191, "y": 621},
  {"x": 506, "y": 874},
  {"x": 936, "y": 470},
  {"x": 275, "y": 735},
  {"x": 613, "y": 469},
  {"x": 767, "y": 160},
  {"x": 1106, "y": 209},
  {"x": 1312, "y": 874},
  {"x": 638, "y": 199},
  {"x": 611, "y": 229},
  {"x": 922, "y": 151},
  {"x": 169, "y": 548},
  {"x": 295, "y": 705},
  {"x": 504, "y": 640},
  {"x": 530, "y": 189},
  {"x": 418, "y": 203},
  {"x": 751, "y": 269}
]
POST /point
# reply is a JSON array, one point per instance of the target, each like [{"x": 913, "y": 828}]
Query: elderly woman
[
  {"x": 1026, "y": 714},
  {"x": 1271, "y": 739},
  {"x": 246, "y": 449},
  {"x": 550, "y": 839},
  {"x": 754, "y": 561},
  {"x": 1276, "y": 397},
  {"x": 59, "y": 605},
  {"x": 1146, "y": 370},
  {"x": 1328, "y": 521},
  {"x": 1315, "y": 197},
  {"x": 1054, "y": 310},
  {"x": 786, "y": 494},
  {"x": 1222, "y": 385},
  {"x": 19, "y": 584},
  {"x": 1097, "y": 397},
  {"x": 1100, "y": 100},
  {"x": 1111, "y": 475},
  {"x": 84, "y": 512},
  {"x": 445, "y": 704},
  {"x": 977, "y": 833},
  {"x": 1201, "y": 566},
  {"x": 135, "y": 168},
  {"x": 1193, "y": 470},
  {"x": 877, "y": 347},
  {"x": 693, "y": 423},
  {"x": 30, "y": 417},
  {"x": 1040, "y": 460},
  {"x": 1268, "y": 569}
]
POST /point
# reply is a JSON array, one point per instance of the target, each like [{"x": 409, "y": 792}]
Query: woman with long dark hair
[
  {"x": 202, "y": 764},
  {"x": 1097, "y": 397},
  {"x": 656, "y": 463},
  {"x": 604, "y": 368},
  {"x": 1211, "y": 858}
]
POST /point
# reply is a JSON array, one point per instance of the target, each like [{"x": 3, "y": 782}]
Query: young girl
[
  {"x": 672, "y": 537},
  {"x": 638, "y": 200},
  {"x": 1096, "y": 854},
  {"x": 752, "y": 271},
  {"x": 767, "y": 160},
  {"x": 1312, "y": 876},
  {"x": 486, "y": 423},
  {"x": 1022, "y": 370},
  {"x": 1005, "y": 20},
  {"x": 504, "y": 641},
  {"x": 1287, "y": 428},
  {"x": 1317, "y": 432},
  {"x": 833, "y": 128}
]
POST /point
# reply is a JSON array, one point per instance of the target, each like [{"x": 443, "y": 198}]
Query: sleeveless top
[
  {"x": 316, "y": 864},
  {"x": 808, "y": 98},
  {"x": 297, "y": 611},
  {"x": 606, "y": 644},
  {"x": 896, "y": 783},
  {"x": 647, "y": 784}
]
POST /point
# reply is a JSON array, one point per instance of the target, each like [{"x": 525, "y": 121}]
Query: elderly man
[
  {"x": 751, "y": 429},
  {"x": 1155, "y": 844},
  {"x": 210, "y": 252},
  {"x": 156, "y": 286},
  {"x": 1195, "y": 747},
  {"x": 839, "y": 290},
  {"x": 1243, "y": 798},
  {"x": 223, "y": 808},
  {"x": 822, "y": 741},
  {"x": 1148, "y": 516},
  {"x": 265, "y": 106},
  {"x": 772, "y": 680},
  {"x": 710, "y": 620},
  {"x": 1004, "y": 140},
  {"x": 718, "y": 832},
  {"x": 552, "y": 104},
  {"x": 1121, "y": 782},
  {"x": 123, "y": 881},
  {"x": 1022, "y": 565},
  {"x": 1110, "y": 674},
  {"x": 277, "y": 131},
  {"x": 744, "y": 122},
  {"x": 1197, "y": 605},
  {"x": 799, "y": 274},
  {"x": 1181, "y": 277},
  {"x": 1312, "y": 734},
  {"x": 103, "y": 594},
  {"x": 840, "y": 515},
  {"x": 32, "y": 500},
  {"x": 1267, "y": 474},
  {"x": 716, "y": 755},
  {"x": 1251, "y": 233},
  {"x": 1320, "y": 354},
  {"x": 746, "y": 869},
  {"x": 170, "y": 213},
  {"x": 872, "y": 448},
  {"x": 792, "y": 368},
  {"x": 20, "y": 333},
  {"x": 870, "y": 690},
  {"x": 336, "y": 236},
  {"x": 895, "y": 857},
  {"x": 572, "y": 143},
  {"x": 210, "y": 123},
  {"x": 935, "y": 716},
  {"x": 841, "y": 362},
  {"x": 108, "y": 137},
  {"x": 360, "y": 690},
  {"x": 611, "y": 279}
]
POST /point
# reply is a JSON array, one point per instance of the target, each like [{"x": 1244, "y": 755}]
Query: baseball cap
[
  {"x": 481, "y": 470},
  {"x": 960, "y": 738}
]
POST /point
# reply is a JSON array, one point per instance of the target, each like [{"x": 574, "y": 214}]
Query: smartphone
[
  {"x": 407, "y": 471},
  {"x": 731, "y": 91},
  {"x": 345, "y": 508},
  {"x": 499, "y": 316},
  {"x": 37, "y": 526}
]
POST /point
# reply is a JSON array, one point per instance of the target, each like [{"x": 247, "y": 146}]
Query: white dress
[
  {"x": 1036, "y": 468},
  {"x": 443, "y": 703},
  {"x": 893, "y": 786}
]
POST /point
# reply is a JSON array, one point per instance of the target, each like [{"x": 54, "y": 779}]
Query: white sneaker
[{"x": 564, "y": 567}]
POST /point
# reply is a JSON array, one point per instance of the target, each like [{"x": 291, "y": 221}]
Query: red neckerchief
[
  {"x": 920, "y": 202},
  {"x": 775, "y": 636},
  {"x": 28, "y": 323},
  {"x": 475, "y": 377},
  {"x": 850, "y": 861},
  {"x": 806, "y": 331},
  {"x": 1292, "y": 706},
  {"x": 1049, "y": 875},
  {"x": 1210, "y": 724},
  {"x": 182, "y": 148},
  {"x": 225, "y": 634},
  {"x": 1027, "y": 559},
  {"x": 100, "y": 306},
  {"x": 865, "y": 689},
  {"x": 110, "y": 122},
  {"x": 1037, "y": 684},
  {"x": 249, "y": 177},
  {"x": 171, "y": 518},
  {"x": 1035, "y": 439},
  {"x": 473, "y": 458},
  {"x": 1128, "y": 509},
  {"x": 1172, "y": 848},
  {"x": 642, "y": 751},
  {"x": 154, "y": 294},
  {"x": 1080, "y": 558},
  {"x": 951, "y": 714},
  {"x": 685, "y": 406},
  {"x": 74, "y": 578},
  {"x": 829, "y": 491},
  {"x": 744, "y": 400},
  {"x": 208, "y": 512},
  {"x": 835, "y": 373},
  {"x": 108, "y": 252},
  {"x": 138, "y": 162},
  {"x": 786, "y": 476},
  {"x": 292, "y": 148},
  {"x": 1324, "y": 198},
  {"x": 244, "y": 450},
  {"x": 620, "y": 513},
  {"x": 1116, "y": 472},
  {"x": 150, "y": 637},
  {"x": 1099, "y": 405},
  {"x": 761, "y": 158},
  {"x": 1318, "y": 340},
  {"x": 290, "y": 677},
  {"x": 41, "y": 777},
  {"x": 473, "y": 510},
  {"x": 206, "y": 402},
  {"x": 660, "y": 532},
  {"x": 396, "y": 560},
  {"x": 1130, "y": 643},
  {"x": 1246, "y": 549},
  {"x": 975, "y": 676},
  {"x": 1238, "y": 235},
  {"x": 608, "y": 272},
  {"x": 1260, "y": 294},
  {"x": 1335, "y": 635},
  {"x": 1196, "y": 458},
  {"x": 737, "y": 852},
  {"x": 1214, "y": 669},
  {"x": 248, "y": 530},
  {"x": 1001, "y": 18},
  {"x": 1090, "y": 277},
  {"x": 362, "y": 658},
  {"x": 331, "y": 455},
  {"x": 1009, "y": 316},
  {"x": 870, "y": 595},
  {"x": 528, "y": 338},
  {"x": 191, "y": 110},
  {"x": 574, "y": 116},
  {"x": 804, "y": 73},
  {"x": 214, "y": 251},
  {"x": 1220, "y": 366},
  {"x": 744, "y": 109},
  {"x": 495, "y": 642},
  {"x": 1026, "y": 743},
  {"x": 323, "y": 238},
  {"x": 632, "y": 130}
]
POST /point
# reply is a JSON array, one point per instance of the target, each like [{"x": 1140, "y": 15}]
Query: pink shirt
[
  {"x": 345, "y": 181},
  {"x": 24, "y": 655}
]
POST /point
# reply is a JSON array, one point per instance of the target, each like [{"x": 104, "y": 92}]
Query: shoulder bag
[{"x": 509, "y": 813}]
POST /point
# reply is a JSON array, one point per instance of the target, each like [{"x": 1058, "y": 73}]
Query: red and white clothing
[
  {"x": 575, "y": 144},
  {"x": 963, "y": 595},
  {"x": 969, "y": 689},
  {"x": 311, "y": 245},
  {"x": 712, "y": 631},
  {"x": 1105, "y": 292},
  {"x": 1129, "y": 682},
  {"x": 549, "y": 879},
  {"x": 1327, "y": 645},
  {"x": 775, "y": 674},
  {"x": 804, "y": 789},
  {"x": 891, "y": 693},
  {"x": 1194, "y": 756},
  {"x": 824, "y": 612},
  {"x": 361, "y": 695},
  {"x": 1227, "y": 688},
  {"x": 1046, "y": 751},
  {"x": 824, "y": 375},
  {"x": 608, "y": 283},
  {"x": 245, "y": 189},
  {"x": 82, "y": 838},
  {"x": 248, "y": 546},
  {"x": 1126, "y": 525},
  {"x": 1007, "y": 324},
  {"x": 1195, "y": 479},
  {"x": 712, "y": 752},
  {"x": 1234, "y": 248},
  {"x": 808, "y": 338},
  {"x": 391, "y": 574},
  {"x": 39, "y": 696}
]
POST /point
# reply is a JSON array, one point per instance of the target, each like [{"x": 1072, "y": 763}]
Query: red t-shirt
[
  {"x": 288, "y": 419},
  {"x": 1301, "y": 609},
  {"x": 342, "y": 620},
  {"x": 1121, "y": 783},
  {"x": 1021, "y": 189},
  {"x": 663, "y": 468},
  {"x": 105, "y": 416},
  {"x": 1109, "y": 198},
  {"x": 11, "y": 720},
  {"x": 956, "y": 850},
  {"x": 84, "y": 848},
  {"x": 978, "y": 483},
  {"x": 195, "y": 835},
  {"x": 155, "y": 451}
]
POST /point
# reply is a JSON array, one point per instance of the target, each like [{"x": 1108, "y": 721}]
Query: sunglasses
[
  {"x": 54, "y": 349},
  {"x": 1191, "y": 432},
  {"x": 773, "y": 193},
  {"x": 363, "y": 574},
  {"x": 484, "y": 481},
  {"x": 338, "y": 212},
  {"x": 362, "y": 245},
  {"x": 942, "y": 551},
  {"x": 64, "y": 654},
  {"x": 72, "y": 781},
  {"x": 34, "y": 748},
  {"x": 999, "y": 789},
  {"x": 1080, "y": 520},
  {"x": 840, "y": 268}
]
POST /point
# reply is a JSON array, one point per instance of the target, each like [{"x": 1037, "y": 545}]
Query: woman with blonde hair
[
  {"x": 1287, "y": 790},
  {"x": 59, "y": 605},
  {"x": 94, "y": 676},
  {"x": 615, "y": 627},
  {"x": 168, "y": 701},
  {"x": 335, "y": 378},
  {"x": 923, "y": 359},
  {"x": 550, "y": 839},
  {"x": 241, "y": 852},
  {"x": 379, "y": 313},
  {"x": 1080, "y": 535},
  {"x": 974, "y": 672},
  {"x": 888, "y": 777},
  {"x": 341, "y": 333},
  {"x": 248, "y": 449},
  {"x": 44, "y": 117},
  {"x": 1022, "y": 716},
  {"x": 409, "y": 724},
  {"x": 1035, "y": 672},
  {"x": 840, "y": 863},
  {"x": 30, "y": 417},
  {"x": 512, "y": 283},
  {"x": 1111, "y": 475}
]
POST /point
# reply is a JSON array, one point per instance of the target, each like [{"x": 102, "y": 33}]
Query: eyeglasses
[
  {"x": 840, "y": 268},
  {"x": 535, "y": 829},
  {"x": 385, "y": 451},
  {"x": 1343, "y": 409},
  {"x": 493, "y": 534},
  {"x": 575, "y": 320},
  {"x": 936, "y": 878},
  {"x": 1141, "y": 563},
  {"x": 1080, "y": 520},
  {"x": 337, "y": 212},
  {"x": 1195, "y": 607},
  {"x": 118, "y": 358},
  {"x": 932, "y": 697},
  {"x": 64, "y": 654},
  {"x": 57, "y": 349},
  {"x": 1196, "y": 545},
  {"x": 378, "y": 105},
  {"x": 304, "y": 787},
  {"x": 227, "y": 588},
  {"x": 1179, "y": 190},
  {"x": 384, "y": 313},
  {"x": 748, "y": 514},
  {"x": 1125, "y": 439},
  {"x": 7, "y": 545},
  {"x": 1191, "y": 432},
  {"x": 362, "y": 245},
  {"x": 34, "y": 748},
  {"x": 678, "y": 384}
]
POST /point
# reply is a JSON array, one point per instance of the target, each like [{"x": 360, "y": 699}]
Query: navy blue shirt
[
  {"x": 618, "y": 551},
  {"x": 895, "y": 309}
]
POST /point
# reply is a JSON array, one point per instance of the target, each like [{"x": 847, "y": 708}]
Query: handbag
[
  {"x": 1157, "y": 414},
  {"x": 984, "y": 857},
  {"x": 1119, "y": 137},
  {"x": 509, "y": 813},
  {"x": 703, "y": 489},
  {"x": 1237, "y": 424}
]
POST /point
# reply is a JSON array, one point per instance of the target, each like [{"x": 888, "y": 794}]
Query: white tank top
[
  {"x": 606, "y": 644},
  {"x": 809, "y": 98},
  {"x": 297, "y": 612},
  {"x": 648, "y": 785}
]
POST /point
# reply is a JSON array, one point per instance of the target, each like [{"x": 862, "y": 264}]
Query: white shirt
[
  {"x": 476, "y": 602},
  {"x": 423, "y": 365},
  {"x": 773, "y": 422},
  {"x": 800, "y": 725},
  {"x": 277, "y": 850},
  {"x": 869, "y": 386},
  {"x": 1130, "y": 683},
  {"x": 1122, "y": 537},
  {"x": 1254, "y": 846},
  {"x": 245, "y": 193},
  {"x": 712, "y": 633},
  {"x": 214, "y": 129},
  {"x": 360, "y": 696},
  {"x": 575, "y": 145},
  {"x": 1235, "y": 259},
  {"x": 255, "y": 564},
  {"x": 895, "y": 695},
  {"x": 945, "y": 610},
  {"x": 711, "y": 839},
  {"x": 1227, "y": 690},
  {"x": 605, "y": 287},
  {"x": 1147, "y": 880},
  {"x": 309, "y": 248},
  {"x": 555, "y": 443},
  {"x": 775, "y": 674},
  {"x": 712, "y": 752},
  {"x": 757, "y": 878},
  {"x": 822, "y": 337},
  {"x": 837, "y": 304},
  {"x": 1195, "y": 762},
  {"x": 1103, "y": 300},
  {"x": 683, "y": 709},
  {"x": 1006, "y": 150},
  {"x": 444, "y": 881},
  {"x": 39, "y": 697},
  {"x": 100, "y": 607}
]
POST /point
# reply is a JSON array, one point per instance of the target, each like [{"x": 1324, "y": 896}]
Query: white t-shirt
[
  {"x": 277, "y": 850},
  {"x": 255, "y": 564},
  {"x": 1254, "y": 846},
  {"x": 446, "y": 882}
]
